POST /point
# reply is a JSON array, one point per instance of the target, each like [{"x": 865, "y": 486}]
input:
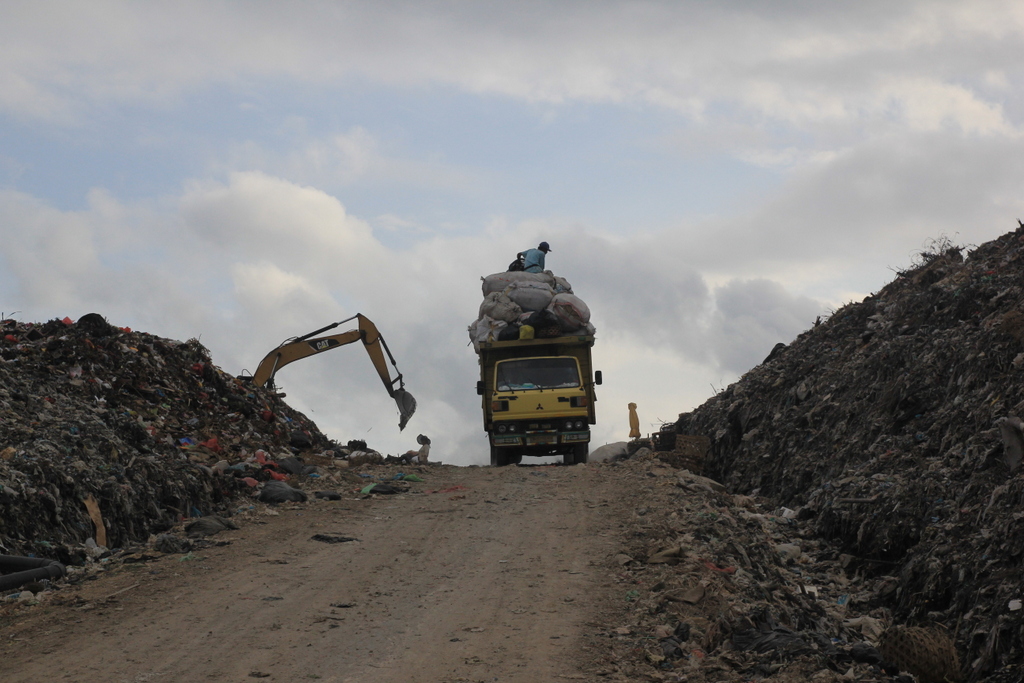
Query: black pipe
[{"x": 17, "y": 571}]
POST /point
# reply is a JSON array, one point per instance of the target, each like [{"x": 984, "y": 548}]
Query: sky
[{"x": 712, "y": 177}]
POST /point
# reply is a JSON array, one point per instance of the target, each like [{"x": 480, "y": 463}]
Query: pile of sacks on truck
[{"x": 522, "y": 305}]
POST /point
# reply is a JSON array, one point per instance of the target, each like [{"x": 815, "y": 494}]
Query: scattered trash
[
  {"x": 293, "y": 465},
  {"x": 114, "y": 434},
  {"x": 169, "y": 543},
  {"x": 892, "y": 433},
  {"x": 788, "y": 552},
  {"x": 767, "y": 635},
  {"x": 97, "y": 519},
  {"x": 666, "y": 556},
  {"x": 715, "y": 594},
  {"x": 609, "y": 452},
  {"x": 386, "y": 489},
  {"x": 275, "y": 492},
  {"x": 715, "y": 568},
  {"x": 208, "y": 526},
  {"x": 451, "y": 489},
  {"x": 927, "y": 653},
  {"x": 692, "y": 595},
  {"x": 332, "y": 538},
  {"x": 18, "y": 571}
]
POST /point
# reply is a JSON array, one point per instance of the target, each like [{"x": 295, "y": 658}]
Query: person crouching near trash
[
  {"x": 421, "y": 456},
  {"x": 534, "y": 258}
]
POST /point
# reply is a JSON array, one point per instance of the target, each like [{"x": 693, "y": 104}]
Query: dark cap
[{"x": 544, "y": 246}]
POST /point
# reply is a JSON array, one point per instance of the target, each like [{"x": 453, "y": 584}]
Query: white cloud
[
  {"x": 342, "y": 159},
  {"x": 997, "y": 79},
  {"x": 866, "y": 210},
  {"x": 928, "y": 106},
  {"x": 392, "y": 223},
  {"x": 750, "y": 313},
  {"x": 248, "y": 263},
  {"x": 262, "y": 291},
  {"x": 53, "y": 254},
  {"x": 832, "y": 65},
  {"x": 269, "y": 219},
  {"x": 787, "y": 157},
  {"x": 883, "y": 125}
]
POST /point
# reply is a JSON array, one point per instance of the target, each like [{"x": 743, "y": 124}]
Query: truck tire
[
  {"x": 580, "y": 453},
  {"x": 499, "y": 457}
]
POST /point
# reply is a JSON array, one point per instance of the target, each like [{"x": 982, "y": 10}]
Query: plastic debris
[
  {"x": 115, "y": 435},
  {"x": 893, "y": 430}
]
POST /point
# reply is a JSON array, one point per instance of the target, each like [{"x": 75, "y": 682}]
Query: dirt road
[{"x": 502, "y": 575}]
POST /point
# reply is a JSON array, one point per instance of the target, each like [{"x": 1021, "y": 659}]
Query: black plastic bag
[
  {"x": 509, "y": 333},
  {"x": 279, "y": 492}
]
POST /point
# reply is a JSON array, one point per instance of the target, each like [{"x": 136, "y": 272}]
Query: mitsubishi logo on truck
[{"x": 540, "y": 407}]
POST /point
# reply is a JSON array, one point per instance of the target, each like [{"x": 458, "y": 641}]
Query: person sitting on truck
[{"x": 535, "y": 258}]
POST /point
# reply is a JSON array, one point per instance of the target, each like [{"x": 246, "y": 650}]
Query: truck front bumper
[{"x": 540, "y": 438}]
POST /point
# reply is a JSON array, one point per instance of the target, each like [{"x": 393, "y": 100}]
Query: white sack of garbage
[
  {"x": 499, "y": 306},
  {"x": 499, "y": 282},
  {"x": 571, "y": 311}
]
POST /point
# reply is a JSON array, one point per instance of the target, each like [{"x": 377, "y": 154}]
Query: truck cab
[{"x": 538, "y": 398}]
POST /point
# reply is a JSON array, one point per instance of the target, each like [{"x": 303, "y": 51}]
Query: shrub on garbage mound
[
  {"x": 131, "y": 420},
  {"x": 892, "y": 427}
]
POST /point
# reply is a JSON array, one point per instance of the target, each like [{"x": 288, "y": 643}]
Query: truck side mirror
[
  {"x": 598, "y": 378},
  {"x": 480, "y": 388}
]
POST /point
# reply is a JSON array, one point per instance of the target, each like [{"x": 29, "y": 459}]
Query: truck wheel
[
  {"x": 580, "y": 453},
  {"x": 499, "y": 457}
]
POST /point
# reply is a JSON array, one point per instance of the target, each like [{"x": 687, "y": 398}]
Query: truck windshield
[{"x": 537, "y": 373}]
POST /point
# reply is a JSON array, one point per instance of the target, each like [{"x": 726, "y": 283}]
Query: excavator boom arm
[
  {"x": 290, "y": 352},
  {"x": 309, "y": 344}
]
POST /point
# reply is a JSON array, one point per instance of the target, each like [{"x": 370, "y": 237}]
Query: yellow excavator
[{"x": 298, "y": 348}]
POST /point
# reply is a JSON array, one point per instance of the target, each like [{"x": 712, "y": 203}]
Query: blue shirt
[{"x": 534, "y": 260}]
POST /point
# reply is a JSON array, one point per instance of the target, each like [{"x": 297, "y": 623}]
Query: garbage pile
[
  {"x": 893, "y": 429},
  {"x": 726, "y": 587},
  {"x": 522, "y": 305},
  {"x": 108, "y": 435}
]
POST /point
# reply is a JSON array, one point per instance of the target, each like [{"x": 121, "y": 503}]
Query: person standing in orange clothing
[{"x": 634, "y": 422}]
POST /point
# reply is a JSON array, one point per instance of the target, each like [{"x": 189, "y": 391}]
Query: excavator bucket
[{"x": 406, "y": 406}]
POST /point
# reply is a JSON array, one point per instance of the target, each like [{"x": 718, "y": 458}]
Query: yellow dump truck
[{"x": 538, "y": 398}]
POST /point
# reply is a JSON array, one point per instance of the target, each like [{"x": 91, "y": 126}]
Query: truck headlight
[
  {"x": 502, "y": 429},
  {"x": 580, "y": 424},
  {"x": 568, "y": 425}
]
